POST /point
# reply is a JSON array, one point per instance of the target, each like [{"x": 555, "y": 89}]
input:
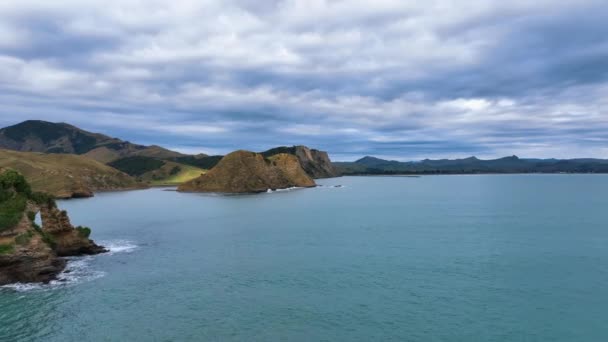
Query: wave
[
  {"x": 78, "y": 269},
  {"x": 283, "y": 190},
  {"x": 118, "y": 246}
]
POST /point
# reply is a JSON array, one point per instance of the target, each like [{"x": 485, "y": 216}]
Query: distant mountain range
[{"x": 472, "y": 165}]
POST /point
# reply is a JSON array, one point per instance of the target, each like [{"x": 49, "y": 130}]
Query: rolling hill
[
  {"x": 66, "y": 175},
  {"x": 49, "y": 137}
]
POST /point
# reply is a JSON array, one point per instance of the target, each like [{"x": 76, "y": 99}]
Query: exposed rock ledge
[
  {"x": 249, "y": 172},
  {"x": 29, "y": 253}
]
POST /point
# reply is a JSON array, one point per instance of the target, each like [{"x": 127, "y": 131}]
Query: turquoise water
[{"x": 438, "y": 258}]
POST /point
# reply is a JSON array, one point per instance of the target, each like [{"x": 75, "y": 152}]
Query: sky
[{"x": 401, "y": 79}]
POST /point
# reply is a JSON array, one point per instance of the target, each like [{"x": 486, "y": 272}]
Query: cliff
[
  {"x": 244, "y": 171},
  {"x": 316, "y": 163},
  {"x": 29, "y": 253}
]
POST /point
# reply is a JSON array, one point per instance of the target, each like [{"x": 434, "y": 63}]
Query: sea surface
[{"x": 435, "y": 258}]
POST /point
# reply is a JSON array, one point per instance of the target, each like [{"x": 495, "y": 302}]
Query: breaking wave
[{"x": 78, "y": 269}]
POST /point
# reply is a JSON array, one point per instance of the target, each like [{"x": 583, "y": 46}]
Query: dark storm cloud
[{"x": 393, "y": 78}]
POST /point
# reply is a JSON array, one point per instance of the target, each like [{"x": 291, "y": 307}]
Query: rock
[
  {"x": 31, "y": 260},
  {"x": 29, "y": 253},
  {"x": 316, "y": 163},
  {"x": 69, "y": 241},
  {"x": 244, "y": 171}
]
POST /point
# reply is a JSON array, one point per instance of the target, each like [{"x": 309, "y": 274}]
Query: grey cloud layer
[{"x": 397, "y": 78}]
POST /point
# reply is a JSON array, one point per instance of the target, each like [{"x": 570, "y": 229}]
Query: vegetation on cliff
[{"x": 28, "y": 252}]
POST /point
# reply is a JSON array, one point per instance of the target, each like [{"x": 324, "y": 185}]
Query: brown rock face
[
  {"x": 69, "y": 241},
  {"x": 244, "y": 171},
  {"x": 29, "y": 253},
  {"x": 316, "y": 163},
  {"x": 31, "y": 259}
]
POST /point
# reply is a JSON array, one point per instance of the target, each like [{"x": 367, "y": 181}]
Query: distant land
[
  {"x": 513, "y": 164},
  {"x": 66, "y": 161}
]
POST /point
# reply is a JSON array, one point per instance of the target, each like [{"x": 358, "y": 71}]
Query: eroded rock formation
[{"x": 29, "y": 253}]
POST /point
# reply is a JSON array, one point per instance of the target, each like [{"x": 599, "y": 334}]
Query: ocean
[{"x": 434, "y": 258}]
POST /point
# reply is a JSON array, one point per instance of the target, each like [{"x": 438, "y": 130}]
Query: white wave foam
[
  {"x": 331, "y": 186},
  {"x": 283, "y": 190},
  {"x": 78, "y": 269},
  {"x": 118, "y": 246}
]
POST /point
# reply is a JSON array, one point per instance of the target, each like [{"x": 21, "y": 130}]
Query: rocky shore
[{"x": 32, "y": 253}]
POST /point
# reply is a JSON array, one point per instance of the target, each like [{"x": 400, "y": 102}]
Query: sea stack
[
  {"x": 29, "y": 253},
  {"x": 250, "y": 172}
]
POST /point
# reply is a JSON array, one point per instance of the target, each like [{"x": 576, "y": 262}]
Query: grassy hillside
[
  {"x": 50, "y": 137},
  {"x": 64, "y": 175},
  {"x": 199, "y": 161},
  {"x": 173, "y": 174},
  {"x": 157, "y": 172}
]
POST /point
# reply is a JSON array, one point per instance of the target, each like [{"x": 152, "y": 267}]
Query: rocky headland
[
  {"x": 250, "y": 172},
  {"x": 316, "y": 163},
  {"x": 28, "y": 252}
]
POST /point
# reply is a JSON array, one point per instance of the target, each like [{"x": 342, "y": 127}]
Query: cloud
[{"x": 405, "y": 79}]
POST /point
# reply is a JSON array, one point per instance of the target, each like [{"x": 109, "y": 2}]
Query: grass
[
  {"x": 56, "y": 173},
  {"x": 7, "y": 249},
  {"x": 47, "y": 238},
  {"x": 185, "y": 174}
]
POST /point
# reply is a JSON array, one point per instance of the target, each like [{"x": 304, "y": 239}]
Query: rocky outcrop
[
  {"x": 25, "y": 256},
  {"x": 68, "y": 240},
  {"x": 244, "y": 171},
  {"x": 29, "y": 253},
  {"x": 316, "y": 163}
]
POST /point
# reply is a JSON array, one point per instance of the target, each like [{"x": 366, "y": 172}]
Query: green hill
[
  {"x": 66, "y": 175},
  {"x": 50, "y": 137}
]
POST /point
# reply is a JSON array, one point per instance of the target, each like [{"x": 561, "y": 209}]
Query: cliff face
[
  {"x": 68, "y": 240},
  {"x": 316, "y": 163},
  {"x": 25, "y": 256},
  {"x": 29, "y": 253},
  {"x": 244, "y": 171}
]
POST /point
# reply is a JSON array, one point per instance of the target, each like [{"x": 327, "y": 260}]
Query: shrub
[
  {"x": 84, "y": 232},
  {"x": 12, "y": 181},
  {"x": 11, "y": 211},
  {"x": 46, "y": 238},
  {"x": 42, "y": 198}
]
